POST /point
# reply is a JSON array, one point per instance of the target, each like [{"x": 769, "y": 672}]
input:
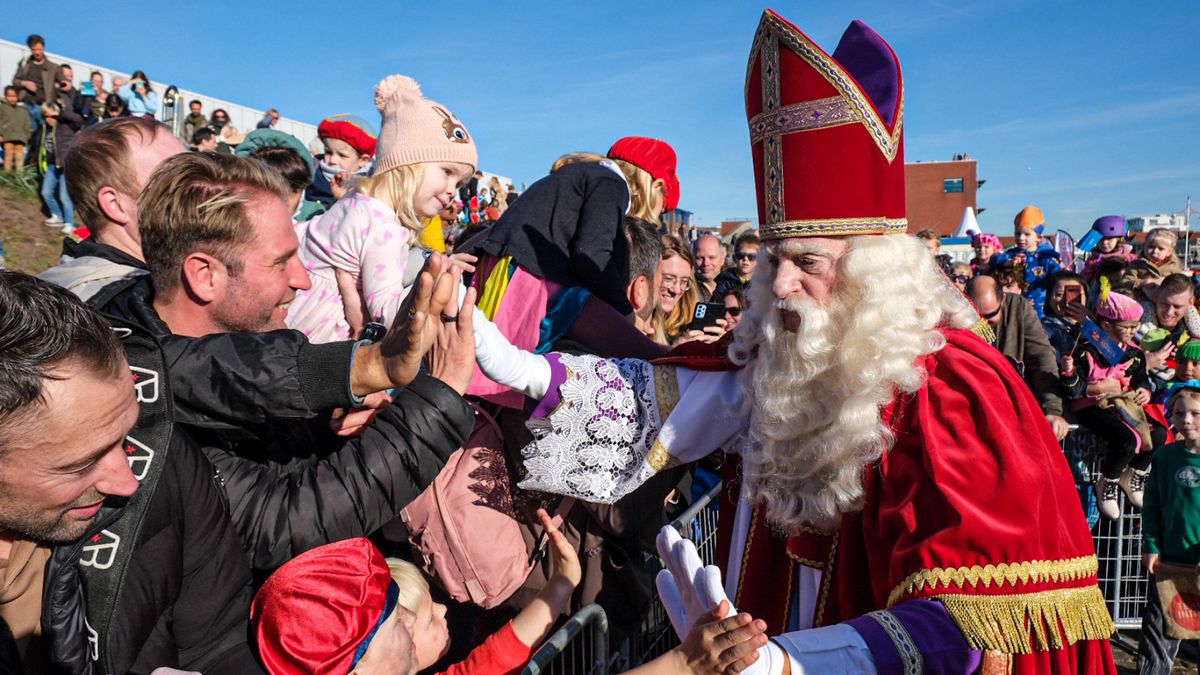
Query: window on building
[{"x": 952, "y": 185}]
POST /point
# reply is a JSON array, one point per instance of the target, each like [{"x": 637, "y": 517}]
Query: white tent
[{"x": 969, "y": 226}]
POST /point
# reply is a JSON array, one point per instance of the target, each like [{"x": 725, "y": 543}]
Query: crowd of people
[{"x": 388, "y": 416}]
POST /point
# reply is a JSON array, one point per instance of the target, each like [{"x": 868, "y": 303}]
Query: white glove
[
  {"x": 686, "y": 601},
  {"x": 498, "y": 359}
]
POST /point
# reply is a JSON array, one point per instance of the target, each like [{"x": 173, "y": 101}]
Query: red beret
[
  {"x": 315, "y": 611},
  {"x": 353, "y": 130},
  {"x": 656, "y": 158}
]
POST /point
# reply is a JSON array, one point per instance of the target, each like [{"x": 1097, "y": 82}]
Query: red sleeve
[{"x": 501, "y": 654}]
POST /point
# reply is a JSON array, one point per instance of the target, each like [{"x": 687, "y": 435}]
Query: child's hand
[
  {"x": 1158, "y": 357},
  {"x": 1150, "y": 561},
  {"x": 564, "y": 561},
  {"x": 1141, "y": 395},
  {"x": 1066, "y": 365},
  {"x": 1109, "y": 385},
  {"x": 716, "y": 645},
  {"x": 353, "y": 421},
  {"x": 463, "y": 261}
]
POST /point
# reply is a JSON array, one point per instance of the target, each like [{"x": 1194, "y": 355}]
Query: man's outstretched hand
[{"x": 396, "y": 359}]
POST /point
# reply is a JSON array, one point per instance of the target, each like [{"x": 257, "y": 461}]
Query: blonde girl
[{"x": 358, "y": 253}]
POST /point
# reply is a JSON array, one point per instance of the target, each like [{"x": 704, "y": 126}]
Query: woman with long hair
[
  {"x": 139, "y": 96},
  {"x": 677, "y": 292}
]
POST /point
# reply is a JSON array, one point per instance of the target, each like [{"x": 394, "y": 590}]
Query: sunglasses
[
  {"x": 961, "y": 278},
  {"x": 990, "y": 315},
  {"x": 733, "y": 311},
  {"x": 745, "y": 256}
]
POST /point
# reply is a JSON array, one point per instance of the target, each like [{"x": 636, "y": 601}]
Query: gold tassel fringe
[{"x": 1018, "y": 624}]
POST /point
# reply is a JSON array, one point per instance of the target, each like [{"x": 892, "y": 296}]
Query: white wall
[{"x": 240, "y": 116}]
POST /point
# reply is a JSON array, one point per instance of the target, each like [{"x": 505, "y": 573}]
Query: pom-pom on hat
[
  {"x": 355, "y": 131},
  {"x": 417, "y": 130},
  {"x": 656, "y": 158},
  {"x": 1111, "y": 226},
  {"x": 1030, "y": 218},
  {"x": 986, "y": 239},
  {"x": 1116, "y": 306},
  {"x": 318, "y": 613}
]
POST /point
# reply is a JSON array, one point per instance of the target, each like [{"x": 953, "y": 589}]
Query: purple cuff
[
  {"x": 917, "y": 636},
  {"x": 558, "y": 375}
]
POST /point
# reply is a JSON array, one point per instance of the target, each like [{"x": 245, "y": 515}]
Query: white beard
[{"x": 814, "y": 397}]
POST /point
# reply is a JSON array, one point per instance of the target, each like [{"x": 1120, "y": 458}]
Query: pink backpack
[{"x": 464, "y": 525}]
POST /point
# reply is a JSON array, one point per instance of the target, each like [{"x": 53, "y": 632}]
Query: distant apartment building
[
  {"x": 937, "y": 193},
  {"x": 1171, "y": 221},
  {"x": 676, "y": 218}
]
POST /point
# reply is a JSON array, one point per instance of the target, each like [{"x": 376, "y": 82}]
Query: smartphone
[
  {"x": 706, "y": 314},
  {"x": 1073, "y": 294}
]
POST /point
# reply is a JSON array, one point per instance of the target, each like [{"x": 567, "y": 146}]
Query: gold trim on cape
[
  {"x": 1031, "y": 571},
  {"x": 666, "y": 391}
]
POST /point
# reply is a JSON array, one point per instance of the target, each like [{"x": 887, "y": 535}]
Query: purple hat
[{"x": 1111, "y": 226}]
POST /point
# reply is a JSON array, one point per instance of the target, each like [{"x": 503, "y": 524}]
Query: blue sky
[{"x": 1081, "y": 108}]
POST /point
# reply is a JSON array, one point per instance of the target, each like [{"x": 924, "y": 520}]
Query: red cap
[
  {"x": 314, "y": 612},
  {"x": 656, "y": 158},
  {"x": 355, "y": 131},
  {"x": 825, "y": 132}
]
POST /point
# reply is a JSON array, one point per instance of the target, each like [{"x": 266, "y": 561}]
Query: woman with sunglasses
[{"x": 735, "y": 302}]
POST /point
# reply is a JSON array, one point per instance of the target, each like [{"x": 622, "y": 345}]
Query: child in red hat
[
  {"x": 342, "y": 608},
  {"x": 559, "y": 255}
]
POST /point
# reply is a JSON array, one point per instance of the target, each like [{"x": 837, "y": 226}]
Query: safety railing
[{"x": 578, "y": 648}]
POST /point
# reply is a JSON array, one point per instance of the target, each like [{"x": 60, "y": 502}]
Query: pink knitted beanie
[
  {"x": 416, "y": 130},
  {"x": 1117, "y": 306}
]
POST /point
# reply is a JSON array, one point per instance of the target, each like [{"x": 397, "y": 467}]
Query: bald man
[
  {"x": 1020, "y": 337},
  {"x": 710, "y": 260}
]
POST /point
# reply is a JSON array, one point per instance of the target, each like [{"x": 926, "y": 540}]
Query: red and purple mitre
[{"x": 826, "y": 133}]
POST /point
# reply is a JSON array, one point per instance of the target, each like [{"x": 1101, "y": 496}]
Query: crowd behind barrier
[{"x": 353, "y": 432}]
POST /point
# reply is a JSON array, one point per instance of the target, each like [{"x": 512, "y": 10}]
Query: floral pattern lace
[{"x": 594, "y": 445}]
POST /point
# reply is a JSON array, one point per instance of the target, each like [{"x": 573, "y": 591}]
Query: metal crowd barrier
[
  {"x": 1118, "y": 544},
  {"x": 579, "y": 647}
]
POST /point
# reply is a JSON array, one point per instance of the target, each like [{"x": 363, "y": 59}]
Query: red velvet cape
[{"x": 974, "y": 505}]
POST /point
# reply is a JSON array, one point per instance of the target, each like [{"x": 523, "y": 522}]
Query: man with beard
[{"x": 901, "y": 504}]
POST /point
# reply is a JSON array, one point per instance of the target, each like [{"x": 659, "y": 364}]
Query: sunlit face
[
  {"x": 391, "y": 648},
  {"x": 431, "y": 634},
  {"x": 733, "y": 311},
  {"x": 1185, "y": 415},
  {"x": 985, "y": 252},
  {"x": 988, "y": 305},
  {"x": 934, "y": 246},
  {"x": 1156, "y": 250},
  {"x": 1108, "y": 244},
  {"x": 1187, "y": 369},
  {"x": 710, "y": 258},
  {"x": 63, "y": 457},
  {"x": 97, "y": 81},
  {"x": 1028, "y": 239},
  {"x": 256, "y": 299},
  {"x": 746, "y": 258},
  {"x": 1121, "y": 331},
  {"x": 339, "y": 153},
  {"x": 439, "y": 184},
  {"x": 676, "y": 280},
  {"x": 1170, "y": 309},
  {"x": 804, "y": 268}
]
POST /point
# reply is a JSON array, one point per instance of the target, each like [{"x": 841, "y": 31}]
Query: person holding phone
[
  {"x": 1066, "y": 308},
  {"x": 139, "y": 95}
]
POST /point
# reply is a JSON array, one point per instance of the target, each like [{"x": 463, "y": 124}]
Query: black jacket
[
  {"x": 727, "y": 281},
  {"x": 291, "y": 483},
  {"x": 569, "y": 227},
  {"x": 175, "y": 589}
]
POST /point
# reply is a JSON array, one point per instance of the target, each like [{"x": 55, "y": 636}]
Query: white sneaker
[
  {"x": 1133, "y": 482},
  {"x": 1106, "y": 498},
  {"x": 68, "y": 228},
  {"x": 53, "y": 220}
]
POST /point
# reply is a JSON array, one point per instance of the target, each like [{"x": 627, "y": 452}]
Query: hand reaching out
[{"x": 452, "y": 357}]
